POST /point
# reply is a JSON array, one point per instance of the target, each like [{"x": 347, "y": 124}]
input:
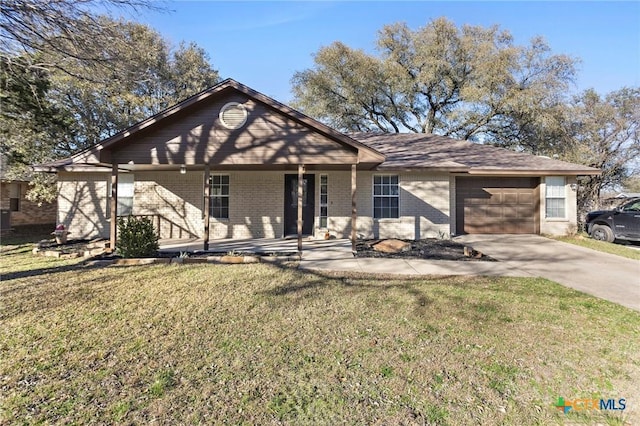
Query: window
[
  {"x": 125, "y": 194},
  {"x": 219, "y": 207},
  {"x": 324, "y": 201},
  {"x": 14, "y": 197},
  {"x": 555, "y": 197},
  {"x": 386, "y": 197}
]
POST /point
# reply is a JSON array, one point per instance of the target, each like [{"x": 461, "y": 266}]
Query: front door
[{"x": 291, "y": 204}]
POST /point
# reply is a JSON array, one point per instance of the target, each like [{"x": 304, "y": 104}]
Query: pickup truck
[{"x": 621, "y": 223}]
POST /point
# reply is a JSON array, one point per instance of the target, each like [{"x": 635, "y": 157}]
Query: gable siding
[{"x": 198, "y": 137}]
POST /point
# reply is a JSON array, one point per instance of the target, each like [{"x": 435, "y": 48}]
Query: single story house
[
  {"x": 231, "y": 162},
  {"x": 16, "y": 209}
]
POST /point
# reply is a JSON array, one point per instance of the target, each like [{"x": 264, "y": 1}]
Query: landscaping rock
[
  {"x": 392, "y": 246},
  {"x": 470, "y": 252},
  {"x": 232, "y": 259},
  {"x": 97, "y": 244},
  {"x": 51, "y": 253},
  {"x": 94, "y": 252},
  {"x": 142, "y": 261},
  {"x": 69, "y": 255}
]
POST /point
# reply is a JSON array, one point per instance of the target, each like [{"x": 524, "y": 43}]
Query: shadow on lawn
[
  {"x": 43, "y": 271},
  {"x": 41, "y": 295},
  {"x": 478, "y": 299},
  {"x": 355, "y": 282}
]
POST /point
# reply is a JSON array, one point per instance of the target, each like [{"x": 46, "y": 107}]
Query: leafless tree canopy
[{"x": 72, "y": 29}]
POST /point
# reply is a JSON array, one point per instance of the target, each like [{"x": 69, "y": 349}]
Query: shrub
[{"x": 136, "y": 237}]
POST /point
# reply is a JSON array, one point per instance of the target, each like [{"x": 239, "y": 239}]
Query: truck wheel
[{"x": 602, "y": 233}]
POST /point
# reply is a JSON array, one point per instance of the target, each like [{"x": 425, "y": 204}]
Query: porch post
[
  {"x": 113, "y": 205},
  {"x": 354, "y": 210},
  {"x": 207, "y": 199},
  {"x": 299, "y": 223}
]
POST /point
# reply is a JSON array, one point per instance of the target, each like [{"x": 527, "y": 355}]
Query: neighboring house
[
  {"x": 15, "y": 209},
  {"x": 627, "y": 195},
  {"x": 226, "y": 163},
  {"x": 611, "y": 201}
]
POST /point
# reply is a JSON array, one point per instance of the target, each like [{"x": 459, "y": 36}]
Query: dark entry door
[{"x": 291, "y": 204}]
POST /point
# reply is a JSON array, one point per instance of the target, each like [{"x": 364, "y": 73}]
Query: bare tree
[{"x": 29, "y": 28}]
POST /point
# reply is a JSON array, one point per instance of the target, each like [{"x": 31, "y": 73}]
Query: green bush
[{"x": 136, "y": 237}]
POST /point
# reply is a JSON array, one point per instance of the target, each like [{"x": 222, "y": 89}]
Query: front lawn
[{"x": 263, "y": 344}]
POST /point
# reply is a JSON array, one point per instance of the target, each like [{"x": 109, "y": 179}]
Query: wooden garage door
[{"x": 497, "y": 205}]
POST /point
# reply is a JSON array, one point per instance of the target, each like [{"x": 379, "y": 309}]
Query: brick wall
[
  {"x": 82, "y": 204},
  {"x": 29, "y": 213},
  {"x": 256, "y": 205},
  {"x": 172, "y": 200},
  {"x": 424, "y": 206}
]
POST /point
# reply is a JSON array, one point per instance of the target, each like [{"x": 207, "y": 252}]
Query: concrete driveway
[{"x": 603, "y": 275}]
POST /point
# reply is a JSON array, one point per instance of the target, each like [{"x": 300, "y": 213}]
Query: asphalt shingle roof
[{"x": 425, "y": 151}]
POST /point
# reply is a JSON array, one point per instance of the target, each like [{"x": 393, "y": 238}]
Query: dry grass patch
[{"x": 259, "y": 344}]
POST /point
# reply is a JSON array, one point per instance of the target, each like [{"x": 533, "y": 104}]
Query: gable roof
[
  {"x": 366, "y": 154},
  {"x": 384, "y": 151},
  {"x": 406, "y": 151}
]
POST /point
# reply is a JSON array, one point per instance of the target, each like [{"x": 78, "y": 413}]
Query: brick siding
[
  {"x": 29, "y": 213},
  {"x": 256, "y": 205}
]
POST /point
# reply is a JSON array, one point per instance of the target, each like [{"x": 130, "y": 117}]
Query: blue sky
[{"x": 262, "y": 44}]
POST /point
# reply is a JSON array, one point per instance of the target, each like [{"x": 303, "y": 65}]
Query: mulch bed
[{"x": 429, "y": 248}]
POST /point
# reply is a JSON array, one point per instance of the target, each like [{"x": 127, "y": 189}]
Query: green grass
[
  {"x": 584, "y": 240},
  {"x": 262, "y": 344}
]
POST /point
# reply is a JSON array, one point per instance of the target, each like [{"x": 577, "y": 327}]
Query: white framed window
[
  {"x": 125, "y": 194},
  {"x": 219, "y": 196},
  {"x": 324, "y": 201},
  {"x": 386, "y": 197},
  {"x": 555, "y": 197}
]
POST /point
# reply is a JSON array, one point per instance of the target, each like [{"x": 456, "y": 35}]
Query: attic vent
[{"x": 233, "y": 115}]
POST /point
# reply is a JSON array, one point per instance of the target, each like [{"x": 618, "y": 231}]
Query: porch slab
[
  {"x": 311, "y": 249},
  {"x": 336, "y": 255}
]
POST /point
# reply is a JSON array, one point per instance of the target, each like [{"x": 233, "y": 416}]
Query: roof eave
[
  {"x": 445, "y": 169},
  {"x": 535, "y": 172}
]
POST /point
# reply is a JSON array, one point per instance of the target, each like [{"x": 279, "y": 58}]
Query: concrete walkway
[{"x": 603, "y": 275}]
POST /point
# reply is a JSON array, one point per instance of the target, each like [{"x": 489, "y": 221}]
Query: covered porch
[{"x": 228, "y": 162}]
